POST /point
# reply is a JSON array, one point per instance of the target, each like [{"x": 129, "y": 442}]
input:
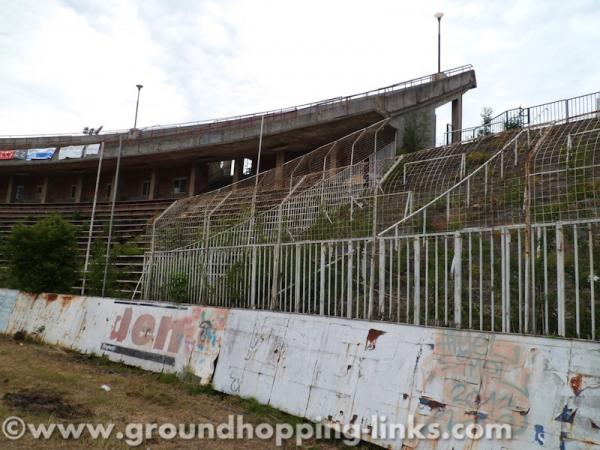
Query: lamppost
[
  {"x": 137, "y": 104},
  {"x": 438, "y": 16}
]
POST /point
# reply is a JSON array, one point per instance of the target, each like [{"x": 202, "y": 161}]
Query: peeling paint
[
  {"x": 433, "y": 404},
  {"x": 463, "y": 377},
  {"x": 158, "y": 337},
  {"x": 479, "y": 415},
  {"x": 576, "y": 383},
  {"x": 372, "y": 338},
  {"x": 567, "y": 415},
  {"x": 312, "y": 366}
]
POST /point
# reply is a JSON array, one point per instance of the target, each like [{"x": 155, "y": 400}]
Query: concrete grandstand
[{"x": 63, "y": 174}]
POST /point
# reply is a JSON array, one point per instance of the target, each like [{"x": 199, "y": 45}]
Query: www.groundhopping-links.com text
[{"x": 134, "y": 434}]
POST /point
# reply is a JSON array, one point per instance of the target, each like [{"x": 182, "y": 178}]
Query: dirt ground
[{"x": 44, "y": 384}]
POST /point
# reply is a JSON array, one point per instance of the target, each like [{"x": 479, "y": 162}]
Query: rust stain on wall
[
  {"x": 575, "y": 383},
  {"x": 372, "y": 338}
]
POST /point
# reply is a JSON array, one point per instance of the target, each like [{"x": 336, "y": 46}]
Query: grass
[{"x": 135, "y": 396}]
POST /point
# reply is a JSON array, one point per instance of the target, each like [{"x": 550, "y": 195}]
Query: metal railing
[
  {"x": 537, "y": 279},
  {"x": 496, "y": 234},
  {"x": 520, "y": 117}
]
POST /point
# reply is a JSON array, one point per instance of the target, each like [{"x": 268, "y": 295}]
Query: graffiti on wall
[
  {"x": 186, "y": 338},
  {"x": 476, "y": 378}
]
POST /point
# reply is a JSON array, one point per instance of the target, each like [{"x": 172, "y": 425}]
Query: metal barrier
[
  {"x": 532, "y": 115},
  {"x": 496, "y": 234},
  {"x": 537, "y": 279}
]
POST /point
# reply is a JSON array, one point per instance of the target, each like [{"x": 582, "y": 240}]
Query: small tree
[
  {"x": 486, "y": 121},
  {"x": 415, "y": 133},
  {"x": 43, "y": 257},
  {"x": 95, "y": 273}
]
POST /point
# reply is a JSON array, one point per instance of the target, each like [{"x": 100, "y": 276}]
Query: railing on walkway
[{"x": 532, "y": 115}]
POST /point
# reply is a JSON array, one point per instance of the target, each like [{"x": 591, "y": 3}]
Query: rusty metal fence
[{"x": 499, "y": 233}]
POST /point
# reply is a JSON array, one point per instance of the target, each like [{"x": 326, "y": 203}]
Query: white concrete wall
[
  {"x": 8, "y": 299},
  {"x": 340, "y": 370},
  {"x": 157, "y": 337},
  {"x": 346, "y": 371}
]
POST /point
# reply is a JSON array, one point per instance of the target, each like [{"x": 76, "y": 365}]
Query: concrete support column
[
  {"x": 192, "y": 180},
  {"x": 238, "y": 170},
  {"x": 152, "y": 187},
  {"x": 44, "y": 194},
  {"x": 79, "y": 188},
  {"x": 279, "y": 162},
  {"x": 9, "y": 189},
  {"x": 456, "y": 118},
  {"x": 203, "y": 176}
]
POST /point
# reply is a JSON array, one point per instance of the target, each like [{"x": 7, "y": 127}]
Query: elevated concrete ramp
[{"x": 290, "y": 130}]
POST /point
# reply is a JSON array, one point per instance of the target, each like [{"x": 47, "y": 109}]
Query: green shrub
[
  {"x": 513, "y": 123},
  {"x": 43, "y": 257},
  {"x": 95, "y": 273},
  {"x": 177, "y": 287}
]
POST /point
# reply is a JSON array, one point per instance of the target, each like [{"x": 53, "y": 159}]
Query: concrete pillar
[
  {"x": 9, "y": 189},
  {"x": 238, "y": 170},
  {"x": 203, "y": 177},
  {"x": 456, "y": 118},
  {"x": 192, "y": 180},
  {"x": 79, "y": 188},
  {"x": 152, "y": 187},
  {"x": 44, "y": 194},
  {"x": 279, "y": 162}
]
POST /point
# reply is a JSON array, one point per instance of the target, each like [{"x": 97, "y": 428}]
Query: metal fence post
[
  {"x": 93, "y": 216},
  {"x": 115, "y": 190},
  {"x": 297, "y": 279},
  {"x": 381, "y": 277},
  {"x": 457, "y": 269},
  {"x": 506, "y": 287},
  {"x": 349, "y": 282},
  {"x": 417, "y": 279},
  {"x": 253, "y": 279},
  {"x": 322, "y": 282},
  {"x": 560, "y": 279}
]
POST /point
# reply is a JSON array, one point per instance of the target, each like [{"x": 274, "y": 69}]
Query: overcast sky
[{"x": 67, "y": 64}]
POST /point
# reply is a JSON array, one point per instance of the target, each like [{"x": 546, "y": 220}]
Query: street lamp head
[
  {"x": 139, "y": 86},
  {"x": 438, "y": 15}
]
